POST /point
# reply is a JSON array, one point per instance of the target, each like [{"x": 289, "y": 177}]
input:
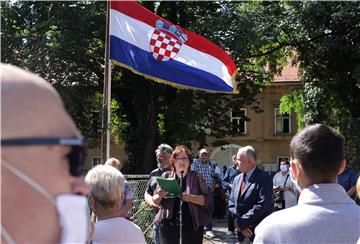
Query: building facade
[{"x": 268, "y": 132}]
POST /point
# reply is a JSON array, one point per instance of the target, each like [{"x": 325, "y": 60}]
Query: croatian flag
[{"x": 156, "y": 49}]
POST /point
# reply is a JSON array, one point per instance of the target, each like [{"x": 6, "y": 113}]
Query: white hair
[
  {"x": 106, "y": 184},
  {"x": 248, "y": 151}
]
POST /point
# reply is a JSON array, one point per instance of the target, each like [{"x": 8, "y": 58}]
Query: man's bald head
[
  {"x": 34, "y": 175},
  {"x": 31, "y": 107}
]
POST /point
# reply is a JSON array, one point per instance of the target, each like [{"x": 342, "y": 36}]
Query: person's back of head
[
  {"x": 114, "y": 162},
  {"x": 320, "y": 150},
  {"x": 38, "y": 137},
  {"x": 106, "y": 186}
]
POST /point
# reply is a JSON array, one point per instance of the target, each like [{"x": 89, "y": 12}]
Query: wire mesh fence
[{"x": 141, "y": 214}]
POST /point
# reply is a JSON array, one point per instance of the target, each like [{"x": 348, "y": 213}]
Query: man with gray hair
[
  {"x": 163, "y": 153},
  {"x": 251, "y": 196},
  {"x": 127, "y": 203}
]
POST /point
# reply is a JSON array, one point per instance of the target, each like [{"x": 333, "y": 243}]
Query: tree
[
  {"x": 61, "y": 42},
  {"x": 159, "y": 113},
  {"x": 326, "y": 40},
  {"x": 68, "y": 38},
  {"x": 64, "y": 43}
]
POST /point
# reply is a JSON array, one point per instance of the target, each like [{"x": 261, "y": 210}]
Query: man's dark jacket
[{"x": 251, "y": 207}]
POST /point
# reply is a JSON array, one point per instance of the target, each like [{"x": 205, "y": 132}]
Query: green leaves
[
  {"x": 64, "y": 43},
  {"x": 294, "y": 102}
]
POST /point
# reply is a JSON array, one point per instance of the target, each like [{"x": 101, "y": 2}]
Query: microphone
[{"x": 181, "y": 173}]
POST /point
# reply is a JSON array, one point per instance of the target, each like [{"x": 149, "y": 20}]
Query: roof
[{"x": 289, "y": 73}]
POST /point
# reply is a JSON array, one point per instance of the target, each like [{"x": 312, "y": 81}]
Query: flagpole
[{"x": 106, "y": 130}]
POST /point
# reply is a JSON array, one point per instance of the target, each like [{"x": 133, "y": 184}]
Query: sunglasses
[{"x": 75, "y": 157}]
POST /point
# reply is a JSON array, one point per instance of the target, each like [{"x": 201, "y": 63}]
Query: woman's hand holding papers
[{"x": 159, "y": 196}]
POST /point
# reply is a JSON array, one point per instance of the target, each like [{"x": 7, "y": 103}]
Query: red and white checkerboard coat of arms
[{"x": 164, "y": 45}]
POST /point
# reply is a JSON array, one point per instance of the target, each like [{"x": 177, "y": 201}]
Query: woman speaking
[{"x": 195, "y": 196}]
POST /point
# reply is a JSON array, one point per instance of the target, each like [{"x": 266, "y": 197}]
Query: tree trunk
[{"x": 148, "y": 156}]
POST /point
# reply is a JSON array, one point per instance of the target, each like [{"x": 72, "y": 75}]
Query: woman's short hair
[
  {"x": 106, "y": 185},
  {"x": 179, "y": 149},
  {"x": 114, "y": 162}
]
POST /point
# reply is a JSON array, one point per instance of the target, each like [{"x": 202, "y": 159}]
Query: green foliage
[
  {"x": 39, "y": 35},
  {"x": 328, "y": 51},
  {"x": 64, "y": 43},
  {"x": 143, "y": 217},
  {"x": 293, "y": 102}
]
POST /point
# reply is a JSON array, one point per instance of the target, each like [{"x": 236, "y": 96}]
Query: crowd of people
[{"x": 45, "y": 198}]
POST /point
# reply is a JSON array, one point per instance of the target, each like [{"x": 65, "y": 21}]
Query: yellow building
[{"x": 268, "y": 132}]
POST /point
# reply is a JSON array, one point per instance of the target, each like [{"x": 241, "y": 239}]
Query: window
[
  {"x": 270, "y": 167},
  {"x": 95, "y": 160},
  {"x": 237, "y": 117},
  {"x": 282, "y": 122}
]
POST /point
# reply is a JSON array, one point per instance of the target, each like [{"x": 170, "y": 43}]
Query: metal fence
[{"x": 141, "y": 214}]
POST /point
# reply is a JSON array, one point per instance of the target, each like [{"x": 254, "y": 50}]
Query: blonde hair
[
  {"x": 106, "y": 185},
  {"x": 116, "y": 163}
]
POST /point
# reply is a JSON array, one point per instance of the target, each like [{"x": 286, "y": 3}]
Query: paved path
[{"x": 220, "y": 229}]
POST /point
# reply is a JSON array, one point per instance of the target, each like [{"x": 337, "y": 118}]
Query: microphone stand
[{"x": 180, "y": 208}]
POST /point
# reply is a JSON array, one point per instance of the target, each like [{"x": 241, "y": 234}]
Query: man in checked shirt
[{"x": 207, "y": 170}]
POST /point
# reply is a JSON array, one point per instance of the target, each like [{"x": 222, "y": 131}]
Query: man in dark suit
[{"x": 251, "y": 199}]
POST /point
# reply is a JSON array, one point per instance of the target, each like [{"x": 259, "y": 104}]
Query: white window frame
[
  {"x": 276, "y": 112},
  {"x": 239, "y": 119},
  {"x": 95, "y": 160},
  {"x": 270, "y": 167}
]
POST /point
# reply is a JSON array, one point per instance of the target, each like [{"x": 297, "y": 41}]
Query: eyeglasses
[
  {"x": 181, "y": 159},
  {"x": 75, "y": 157}
]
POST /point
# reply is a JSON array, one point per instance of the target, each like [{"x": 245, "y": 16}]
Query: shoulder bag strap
[{"x": 286, "y": 180}]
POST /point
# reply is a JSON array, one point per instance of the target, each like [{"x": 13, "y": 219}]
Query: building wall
[
  {"x": 261, "y": 130},
  {"x": 116, "y": 151}
]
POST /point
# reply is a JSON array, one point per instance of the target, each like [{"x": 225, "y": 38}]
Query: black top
[
  {"x": 151, "y": 184},
  {"x": 186, "y": 215}
]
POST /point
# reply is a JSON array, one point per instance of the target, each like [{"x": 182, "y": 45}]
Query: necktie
[{"x": 242, "y": 188}]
